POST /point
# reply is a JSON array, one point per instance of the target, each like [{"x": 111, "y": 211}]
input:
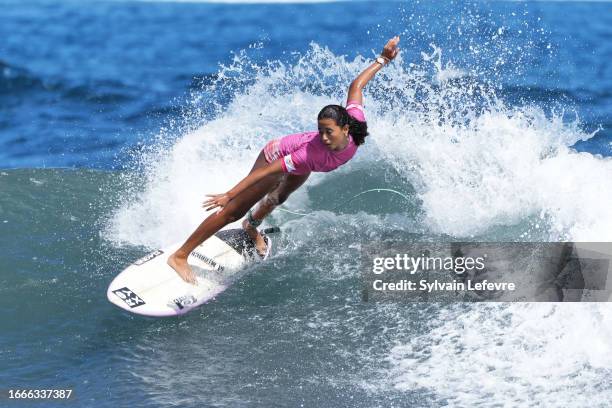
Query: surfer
[{"x": 284, "y": 164}]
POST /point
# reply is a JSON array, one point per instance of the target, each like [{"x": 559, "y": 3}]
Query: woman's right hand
[
  {"x": 391, "y": 49},
  {"x": 216, "y": 200}
]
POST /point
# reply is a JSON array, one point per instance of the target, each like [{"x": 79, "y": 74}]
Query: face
[{"x": 332, "y": 135}]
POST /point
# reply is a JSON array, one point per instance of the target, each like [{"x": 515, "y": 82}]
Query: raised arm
[{"x": 355, "y": 93}]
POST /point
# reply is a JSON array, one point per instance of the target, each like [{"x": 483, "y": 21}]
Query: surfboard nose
[{"x": 151, "y": 287}]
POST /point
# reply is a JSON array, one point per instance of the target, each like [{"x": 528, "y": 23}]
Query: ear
[{"x": 345, "y": 128}]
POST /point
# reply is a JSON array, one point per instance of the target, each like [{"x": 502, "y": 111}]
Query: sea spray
[{"x": 476, "y": 162}]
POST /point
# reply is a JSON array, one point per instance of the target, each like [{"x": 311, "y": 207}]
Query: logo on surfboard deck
[
  {"x": 185, "y": 300},
  {"x": 208, "y": 260},
  {"x": 129, "y": 297},
  {"x": 148, "y": 257}
]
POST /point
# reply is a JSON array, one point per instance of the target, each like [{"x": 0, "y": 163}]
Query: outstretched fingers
[
  {"x": 215, "y": 200},
  {"x": 212, "y": 202}
]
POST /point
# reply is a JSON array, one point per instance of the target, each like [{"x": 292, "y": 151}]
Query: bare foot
[
  {"x": 183, "y": 269},
  {"x": 260, "y": 243}
]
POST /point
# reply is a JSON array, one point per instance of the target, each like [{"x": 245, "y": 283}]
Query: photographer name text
[{"x": 435, "y": 285}]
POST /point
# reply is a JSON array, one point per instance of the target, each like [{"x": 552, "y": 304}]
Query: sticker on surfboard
[
  {"x": 129, "y": 297},
  {"x": 151, "y": 287}
]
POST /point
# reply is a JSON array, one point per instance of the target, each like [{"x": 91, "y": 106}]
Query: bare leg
[
  {"x": 279, "y": 195},
  {"x": 235, "y": 210}
]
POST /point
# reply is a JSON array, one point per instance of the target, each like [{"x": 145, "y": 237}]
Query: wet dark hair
[{"x": 357, "y": 129}]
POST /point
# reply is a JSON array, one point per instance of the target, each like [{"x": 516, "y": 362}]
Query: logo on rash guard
[{"x": 289, "y": 163}]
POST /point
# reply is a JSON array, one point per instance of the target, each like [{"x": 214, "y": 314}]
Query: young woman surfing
[{"x": 284, "y": 165}]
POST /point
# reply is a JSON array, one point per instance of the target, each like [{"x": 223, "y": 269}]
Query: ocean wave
[
  {"x": 16, "y": 79},
  {"x": 476, "y": 162},
  {"x": 520, "y": 354}
]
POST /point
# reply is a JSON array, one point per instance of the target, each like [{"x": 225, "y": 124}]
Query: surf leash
[{"x": 372, "y": 190}]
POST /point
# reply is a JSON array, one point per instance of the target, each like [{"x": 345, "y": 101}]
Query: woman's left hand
[
  {"x": 216, "y": 200},
  {"x": 391, "y": 49}
]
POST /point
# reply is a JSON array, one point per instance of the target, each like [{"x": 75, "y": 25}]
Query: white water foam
[
  {"x": 555, "y": 355},
  {"x": 475, "y": 162},
  {"x": 478, "y": 168}
]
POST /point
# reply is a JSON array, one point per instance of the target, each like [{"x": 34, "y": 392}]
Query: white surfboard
[{"x": 151, "y": 287}]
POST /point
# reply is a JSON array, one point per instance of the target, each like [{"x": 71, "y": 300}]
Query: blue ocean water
[
  {"x": 117, "y": 117},
  {"x": 83, "y": 83}
]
